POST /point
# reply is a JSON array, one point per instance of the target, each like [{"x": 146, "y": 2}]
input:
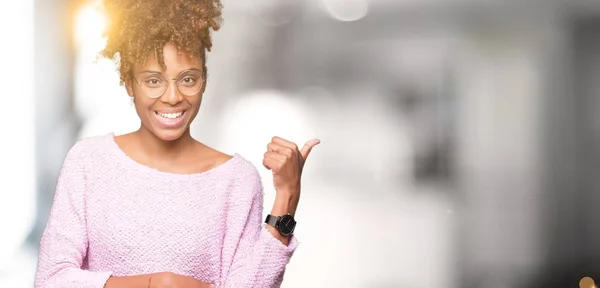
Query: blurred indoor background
[{"x": 459, "y": 137}]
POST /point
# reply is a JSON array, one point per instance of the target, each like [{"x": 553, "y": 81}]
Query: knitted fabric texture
[{"x": 113, "y": 216}]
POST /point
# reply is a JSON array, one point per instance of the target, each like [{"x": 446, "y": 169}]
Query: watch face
[{"x": 286, "y": 225}]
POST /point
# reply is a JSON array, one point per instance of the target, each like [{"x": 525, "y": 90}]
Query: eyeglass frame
[{"x": 176, "y": 82}]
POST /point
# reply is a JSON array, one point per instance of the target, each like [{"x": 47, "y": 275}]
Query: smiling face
[{"x": 168, "y": 114}]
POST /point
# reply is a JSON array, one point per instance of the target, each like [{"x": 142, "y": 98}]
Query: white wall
[
  {"x": 17, "y": 146},
  {"x": 17, "y": 154}
]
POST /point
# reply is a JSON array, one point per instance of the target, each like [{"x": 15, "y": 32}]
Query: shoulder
[
  {"x": 237, "y": 166},
  {"x": 244, "y": 169},
  {"x": 213, "y": 157},
  {"x": 245, "y": 176},
  {"x": 86, "y": 148}
]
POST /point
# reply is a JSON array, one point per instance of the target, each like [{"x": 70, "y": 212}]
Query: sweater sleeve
[
  {"x": 252, "y": 256},
  {"x": 63, "y": 245}
]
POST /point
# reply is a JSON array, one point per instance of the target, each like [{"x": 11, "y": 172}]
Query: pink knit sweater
[{"x": 114, "y": 216}]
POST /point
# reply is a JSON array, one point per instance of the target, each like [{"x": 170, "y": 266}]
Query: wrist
[
  {"x": 281, "y": 226},
  {"x": 284, "y": 204},
  {"x": 288, "y": 191}
]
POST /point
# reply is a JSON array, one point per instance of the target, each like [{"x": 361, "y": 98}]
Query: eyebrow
[{"x": 182, "y": 72}]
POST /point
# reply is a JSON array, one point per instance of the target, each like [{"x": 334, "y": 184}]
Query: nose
[{"x": 172, "y": 95}]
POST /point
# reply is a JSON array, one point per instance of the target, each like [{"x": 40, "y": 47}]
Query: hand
[
  {"x": 286, "y": 162},
  {"x": 172, "y": 280}
]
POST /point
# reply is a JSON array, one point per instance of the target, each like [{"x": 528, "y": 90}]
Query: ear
[
  {"x": 128, "y": 81},
  {"x": 129, "y": 87}
]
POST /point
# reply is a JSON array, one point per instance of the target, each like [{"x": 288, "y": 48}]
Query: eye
[
  {"x": 152, "y": 82},
  {"x": 188, "y": 80}
]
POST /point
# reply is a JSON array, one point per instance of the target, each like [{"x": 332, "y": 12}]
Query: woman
[{"x": 156, "y": 208}]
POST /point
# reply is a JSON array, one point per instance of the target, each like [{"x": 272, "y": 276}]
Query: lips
[
  {"x": 171, "y": 116},
  {"x": 170, "y": 119}
]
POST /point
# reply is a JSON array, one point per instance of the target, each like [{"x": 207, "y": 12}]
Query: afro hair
[{"x": 139, "y": 28}]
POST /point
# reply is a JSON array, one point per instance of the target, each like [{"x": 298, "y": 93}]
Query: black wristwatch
[{"x": 285, "y": 224}]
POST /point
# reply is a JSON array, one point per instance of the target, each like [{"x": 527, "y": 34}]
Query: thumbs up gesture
[{"x": 286, "y": 162}]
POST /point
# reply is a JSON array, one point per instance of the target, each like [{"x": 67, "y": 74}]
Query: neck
[{"x": 161, "y": 149}]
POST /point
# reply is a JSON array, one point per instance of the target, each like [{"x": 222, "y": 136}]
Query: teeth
[{"x": 170, "y": 115}]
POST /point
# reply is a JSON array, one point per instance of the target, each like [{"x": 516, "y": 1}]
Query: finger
[
  {"x": 271, "y": 158},
  {"x": 265, "y": 164},
  {"x": 308, "y": 147},
  {"x": 286, "y": 143},
  {"x": 275, "y": 156},
  {"x": 268, "y": 163},
  {"x": 274, "y": 147},
  {"x": 272, "y": 164}
]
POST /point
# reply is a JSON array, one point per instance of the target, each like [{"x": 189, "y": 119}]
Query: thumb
[{"x": 308, "y": 146}]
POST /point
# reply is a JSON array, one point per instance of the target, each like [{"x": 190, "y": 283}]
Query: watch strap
[{"x": 272, "y": 220}]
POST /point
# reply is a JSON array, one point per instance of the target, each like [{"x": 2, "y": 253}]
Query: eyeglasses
[{"x": 154, "y": 85}]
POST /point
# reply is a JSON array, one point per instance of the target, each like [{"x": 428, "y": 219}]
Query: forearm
[
  {"x": 136, "y": 281},
  {"x": 263, "y": 265},
  {"x": 162, "y": 279},
  {"x": 260, "y": 255}
]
